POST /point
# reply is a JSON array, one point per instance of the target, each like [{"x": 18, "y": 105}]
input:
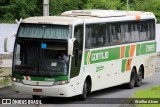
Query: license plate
[{"x": 37, "y": 90}]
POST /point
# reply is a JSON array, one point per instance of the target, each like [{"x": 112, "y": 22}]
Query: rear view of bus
[{"x": 83, "y": 51}]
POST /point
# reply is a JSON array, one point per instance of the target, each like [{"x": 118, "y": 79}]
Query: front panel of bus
[{"x": 41, "y": 63}]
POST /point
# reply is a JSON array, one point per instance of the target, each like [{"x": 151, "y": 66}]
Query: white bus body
[{"x": 123, "y": 52}]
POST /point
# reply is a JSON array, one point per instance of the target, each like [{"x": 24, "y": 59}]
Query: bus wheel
[
  {"x": 83, "y": 96},
  {"x": 139, "y": 77},
  {"x": 131, "y": 84},
  {"x": 35, "y": 97}
]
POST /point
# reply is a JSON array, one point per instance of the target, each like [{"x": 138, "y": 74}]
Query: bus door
[{"x": 77, "y": 51}]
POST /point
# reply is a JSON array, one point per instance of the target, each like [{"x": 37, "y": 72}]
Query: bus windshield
[
  {"x": 40, "y": 58},
  {"x": 44, "y": 31}
]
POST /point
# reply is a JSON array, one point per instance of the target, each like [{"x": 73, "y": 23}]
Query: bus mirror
[
  {"x": 70, "y": 46},
  {"x": 9, "y": 43}
]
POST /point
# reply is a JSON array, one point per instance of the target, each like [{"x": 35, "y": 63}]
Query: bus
[{"x": 104, "y": 48}]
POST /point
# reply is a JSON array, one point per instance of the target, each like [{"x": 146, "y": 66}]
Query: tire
[
  {"x": 83, "y": 96},
  {"x": 35, "y": 97},
  {"x": 139, "y": 77},
  {"x": 131, "y": 84}
]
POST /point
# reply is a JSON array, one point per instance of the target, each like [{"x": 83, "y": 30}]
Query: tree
[
  {"x": 5, "y": 10},
  {"x": 148, "y": 5},
  {"x": 59, "y": 6},
  {"x": 123, "y": 5},
  {"x": 15, "y": 9},
  {"x": 102, "y": 4}
]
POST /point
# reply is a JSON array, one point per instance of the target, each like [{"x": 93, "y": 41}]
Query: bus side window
[
  {"x": 152, "y": 29},
  {"x": 77, "y": 51},
  {"x": 94, "y": 35},
  {"x": 115, "y": 38},
  {"x": 142, "y": 29},
  {"x": 118, "y": 32},
  {"x": 87, "y": 38},
  {"x": 135, "y": 32},
  {"x": 148, "y": 29},
  {"x": 107, "y": 38},
  {"x": 126, "y": 34},
  {"x": 101, "y": 37},
  {"x": 123, "y": 36}
]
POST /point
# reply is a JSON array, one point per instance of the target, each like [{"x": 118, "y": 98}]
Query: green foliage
[
  {"x": 5, "y": 81},
  {"x": 102, "y": 4},
  {"x": 148, "y": 93},
  {"x": 148, "y": 5},
  {"x": 59, "y": 6},
  {"x": 15, "y": 9}
]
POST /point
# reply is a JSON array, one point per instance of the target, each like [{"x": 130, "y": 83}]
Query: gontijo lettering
[{"x": 99, "y": 56}]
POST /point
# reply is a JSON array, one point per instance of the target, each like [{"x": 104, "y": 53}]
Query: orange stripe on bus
[
  {"x": 128, "y": 64},
  {"x": 138, "y": 17},
  {"x": 132, "y": 49},
  {"x": 122, "y": 51},
  {"x": 89, "y": 57}
]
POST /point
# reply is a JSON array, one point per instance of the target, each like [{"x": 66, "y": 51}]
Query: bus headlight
[
  {"x": 16, "y": 80},
  {"x": 61, "y": 82}
]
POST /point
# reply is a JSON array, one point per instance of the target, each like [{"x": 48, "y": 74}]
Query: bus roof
[
  {"x": 104, "y": 13},
  {"x": 62, "y": 20},
  {"x": 77, "y": 16}
]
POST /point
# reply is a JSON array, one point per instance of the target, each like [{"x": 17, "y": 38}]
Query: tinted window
[
  {"x": 143, "y": 30},
  {"x": 77, "y": 51},
  {"x": 105, "y": 34},
  {"x": 135, "y": 32},
  {"x": 115, "y": 34}
]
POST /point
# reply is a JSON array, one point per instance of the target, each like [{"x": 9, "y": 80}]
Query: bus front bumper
[{"x": 56, "y": 90}]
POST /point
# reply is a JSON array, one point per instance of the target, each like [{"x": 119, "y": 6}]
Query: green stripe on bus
[
  {"x": 148, "y": 48},
  {"x": 124, "y": 65},
  {"x": 127, "y": 51},
  {"x": 114, "y": 53},
  {"x": 102, "y": 55},
  {"x": 138, "y": 49},
  {"x": 60, "y": 78},
  {"x": 57, "y": 78},
  {"x": 85, "y": 57},
  {"x": 37, "y": 78}
]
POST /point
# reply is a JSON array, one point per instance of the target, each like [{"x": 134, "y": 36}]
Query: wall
[
  {"x": 158, "y": 37},
  {"x": 6, "y": 30}
]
